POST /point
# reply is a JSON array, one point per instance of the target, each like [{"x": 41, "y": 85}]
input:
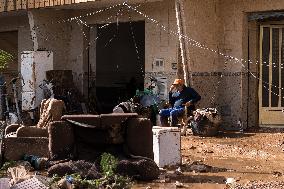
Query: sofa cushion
[
  {"x": 61, "y": 140},
  {"x": 16, "y": 148},
  {"x": 139, "y": 137},
  {"x": 109, "y": 120},
  {"x": 115, "y": 125}
]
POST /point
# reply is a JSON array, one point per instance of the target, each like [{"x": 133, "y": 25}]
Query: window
[{"x": 158, "y": 64}]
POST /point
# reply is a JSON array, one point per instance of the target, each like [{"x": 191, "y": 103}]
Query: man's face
[{"x": 178, "y": 87}]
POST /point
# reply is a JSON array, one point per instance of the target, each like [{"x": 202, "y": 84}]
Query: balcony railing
[{"x": 12, "y": 5}]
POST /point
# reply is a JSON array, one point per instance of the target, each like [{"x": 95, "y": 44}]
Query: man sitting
[{"x": 180, "y": 97}]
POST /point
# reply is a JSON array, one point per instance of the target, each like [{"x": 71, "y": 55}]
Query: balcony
[{"x": 14, "y": 5}]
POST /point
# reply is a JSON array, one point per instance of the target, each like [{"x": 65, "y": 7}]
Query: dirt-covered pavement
[{"x": 254, "y": 159}]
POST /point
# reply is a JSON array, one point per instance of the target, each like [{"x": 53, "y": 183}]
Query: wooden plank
[
  {"x": 279, "y": 66},
  {"x": 270, "y": 67},
  {"x": 182, "y": 43},
  {"x": 260, "y": 76}
]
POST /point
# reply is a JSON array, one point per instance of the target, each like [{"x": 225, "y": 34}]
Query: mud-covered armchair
[
  {"x": 50, "y": 110},
  {"x": 20, "y": 140}
]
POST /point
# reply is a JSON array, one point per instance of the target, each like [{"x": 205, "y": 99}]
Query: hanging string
[
  {"x": 135, "y": 43},
  {"x": 199, "y": 45},
  {"x": 52, "y": 22},
  {"x": 191, "y": 41}
]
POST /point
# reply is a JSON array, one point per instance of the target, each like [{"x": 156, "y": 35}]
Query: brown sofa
[
  {"x": 96, "y": 133},
  {"x": 81, "y": 135}
]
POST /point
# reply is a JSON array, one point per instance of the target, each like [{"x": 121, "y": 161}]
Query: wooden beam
[{"x": 179, "y": 7}]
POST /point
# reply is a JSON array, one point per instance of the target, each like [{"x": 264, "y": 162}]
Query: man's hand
[
  {"x": 172, "y": 88},
  {"x": 188, "y": 103}
]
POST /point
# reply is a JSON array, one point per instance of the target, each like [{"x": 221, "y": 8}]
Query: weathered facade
[
  {"x": 222, "y": 38},
  {"x": 226, "y": 27}
]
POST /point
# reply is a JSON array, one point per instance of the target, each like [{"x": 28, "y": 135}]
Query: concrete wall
[
  {"x": 222, "y": 25},
  {"x": 63, "y": 38},
  {"x": 242, "y": 37}
]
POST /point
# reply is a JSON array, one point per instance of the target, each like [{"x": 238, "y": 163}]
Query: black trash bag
[
  {"x": 140, "y": 169},
  {"x": 85, "y": 169}
]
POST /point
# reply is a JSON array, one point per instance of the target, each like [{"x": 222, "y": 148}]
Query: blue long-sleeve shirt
[{"x": 188, "y": 94}]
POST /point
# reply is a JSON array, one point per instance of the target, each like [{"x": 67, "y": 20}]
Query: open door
[{"x": 271, "y": 84}]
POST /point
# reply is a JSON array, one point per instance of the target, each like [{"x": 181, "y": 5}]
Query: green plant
[
  {"x": 8, "y": 164},
  {"x": 55, "y": 178},
  {"x": 5, "y": 57},
  {"x": 4, "y": 168},
  {"x": 108, "y": 164},
  {"x": 109, "y": 180}
]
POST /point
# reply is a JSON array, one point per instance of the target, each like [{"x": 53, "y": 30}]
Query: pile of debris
[
  {"x": 261, "y": 185},
  {"x": 206, "y": 122},
  {"x": 106, "y": 172}
]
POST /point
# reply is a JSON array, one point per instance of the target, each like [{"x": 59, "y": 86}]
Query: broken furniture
[
  {"x": 20, "y": 140},
  {"x": 83, "y": 137},
  {"x": 118, "y": 132},
  {"x": 166, "y": 145}
]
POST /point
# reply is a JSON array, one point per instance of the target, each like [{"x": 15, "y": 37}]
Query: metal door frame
[{"x": 270, "y": 115}]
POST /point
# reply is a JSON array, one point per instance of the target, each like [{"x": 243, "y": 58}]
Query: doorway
[
  {"x": 120, "y": 62},
  {"x": 9, "y": 43},
  {"x": 271, "y": 85}
]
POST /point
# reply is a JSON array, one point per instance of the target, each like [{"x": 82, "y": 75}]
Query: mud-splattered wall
[{"x": 223, "y": 26}]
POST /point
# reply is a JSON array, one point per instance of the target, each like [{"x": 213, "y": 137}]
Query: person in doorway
[
  {"x": 180, "y": 97},
  {"x": 131, "y": 88}
]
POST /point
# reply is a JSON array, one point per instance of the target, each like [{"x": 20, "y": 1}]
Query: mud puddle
[{"x": 248, "y": 158}]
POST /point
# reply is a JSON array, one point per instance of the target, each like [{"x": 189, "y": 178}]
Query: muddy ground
[{"x": 255, "y": 159}]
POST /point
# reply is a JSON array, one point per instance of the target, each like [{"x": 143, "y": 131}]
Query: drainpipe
[
  {"x": 179, "y": 8},
  {"x": 33, "y": 30}
]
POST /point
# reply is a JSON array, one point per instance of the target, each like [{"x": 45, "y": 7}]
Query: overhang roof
[{"x": 263, "y": 16}]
